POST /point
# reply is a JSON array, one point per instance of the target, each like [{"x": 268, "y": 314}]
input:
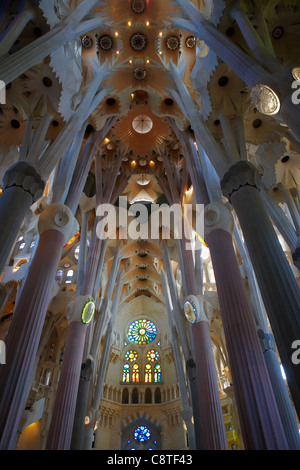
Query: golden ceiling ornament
[
  {"x": 141, "y": 77},
  {"x": 287, "y": 170},
  {"x": 12, "y": 127},
  {"x": 142, "y": 144},
  {"x": 44, "y": 87},
  {"x": 120, "y": 11},
  {"x": 284, "y": 30},
  {"x": 228, "y": 93},
  {"x": 265, "y": 99},
  {"x": 260, "y": 128},
  {"x": 138, "y": 6}
]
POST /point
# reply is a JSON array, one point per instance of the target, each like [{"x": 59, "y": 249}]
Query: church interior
[{"x": 121, "y": 328}]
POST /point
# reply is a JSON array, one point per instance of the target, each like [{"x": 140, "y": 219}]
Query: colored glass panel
[
  {"x": 157, "y": 373},
  {"x": 135, "y": 373},
  {"x": 131, "y": 355},
  {"x": 142, "y": 332},
  {"x": 148, "y": 373},
  {"x": 126, "y": 373},
  {"x": 152, "y": 355},
  {"x": 142, "y": 434}
]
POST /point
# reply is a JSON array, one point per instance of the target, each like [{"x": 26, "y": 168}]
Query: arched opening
[
  {"x": 148, "y": 396},
  {"x": 135, "y": 396},
  {"x": 157, "y": 396}
]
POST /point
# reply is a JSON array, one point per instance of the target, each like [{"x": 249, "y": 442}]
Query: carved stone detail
[
  {"x": 202, "y": 307},
  {"x": 217, "y": 216},
  {"x": 74, "y": 309},
  {"x": 58, "y": 217},
  {"x": 24, "y": 176},
  {"x": 240, "y": 174}
]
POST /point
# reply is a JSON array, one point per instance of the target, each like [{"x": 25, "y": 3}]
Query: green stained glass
[
  {"x": 157, "y": 373},
  {"x": 142, "y": 332}
]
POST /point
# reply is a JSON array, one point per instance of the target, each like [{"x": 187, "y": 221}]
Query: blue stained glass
[
  {"x": 142, "y": 332},
  {"x": 142, "y": 434}
]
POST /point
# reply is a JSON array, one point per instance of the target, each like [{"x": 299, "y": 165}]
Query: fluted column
[
  {"x": 211, "y": 416},
  {"x": 56, "y": 224},
  {"x": 212, "y": 424},
  {"x": 278, "y": 286},
  {"x": 258, "y": 413},
  {"x": 22, "y": 186},
  {"x": 60, "y": 430}
]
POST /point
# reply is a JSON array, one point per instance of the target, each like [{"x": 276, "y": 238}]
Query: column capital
[
  {"x": 217, "y": 216},
  {"x": 60, "y": 218},
  {"x": 197, "y": 309},
  {"x": 24, "y": 176},
  {"x": 81, "y": 310},
  {"x": 266, "y": 340},
  {"x": 240, "y": 174}
]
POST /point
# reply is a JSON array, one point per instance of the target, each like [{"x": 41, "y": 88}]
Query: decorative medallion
[
  {"x": 87, "y": 42},
  {"x": 265, "y": 100},
  {"x": 142, "y": 124},
  {"x": 172, "y": 42},
  {"x": 138, "y": 6},
  {"x": 106, "y": 42},
  {"x": 138, "y": 41},
  {"x": 277, "y": 32},
  {"x": 190, "y": 42},
  {"x": 88, "y": 312},
  {"x": 140, "y": 74}
]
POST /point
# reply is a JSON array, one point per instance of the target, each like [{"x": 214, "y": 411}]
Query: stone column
[
  {"x": 259, "y": 417},
  {"x": 211, "y": 416},
  {"x": 60, "y": 430},
  {"x": 278, "y": 286},
  {"x": 285, "y": 407},
  {"x": 56, "y": 224},
  {"x": 22, "y": 186},
  {"x": 212, "y": 424}
]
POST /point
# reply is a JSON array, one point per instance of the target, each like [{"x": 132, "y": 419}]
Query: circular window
[
  {"x": 142, "y": 124},
  {"x": 131, "y": 356},
  {"x": 142, "y": 434},
  {"x": 138, "y": 41},
  {"x": 138, "y": 6},
  {"x": 87, "y": 42},
  {"x": 172, "y": 42},
  {"x": 152, "y": 355},
  {"x": 142, "y": 332},
  {"x": 105, "y": 42},
  {"x": 277, "y": 32},
  {"x": 190, "y": 42},
  {"x": 140, "y": 74}
]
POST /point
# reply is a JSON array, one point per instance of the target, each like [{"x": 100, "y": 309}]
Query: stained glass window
[
  {"x": 131, "y": 355},
  {"x": 148, "y": 373},
  {"x": 142, "y": 434},
  {"x": 135, "y": 373},
  {"x": 157, "y": 373},
  {"x": 152, "y": 355},
  {"x": 126, "y": 374},
  {"x": 142, "y": 332}
]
